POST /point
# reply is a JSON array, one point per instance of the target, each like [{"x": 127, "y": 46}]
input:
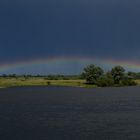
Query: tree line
[
  {"x": 117, "y": 76},
  {"x": 47, "y": 77}
]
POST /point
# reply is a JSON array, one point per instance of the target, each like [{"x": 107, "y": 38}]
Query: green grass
[
  {"x": 35, "y": 81},
  {"x": 13, "y": 82},
  {"x": 138, "y": 81}
]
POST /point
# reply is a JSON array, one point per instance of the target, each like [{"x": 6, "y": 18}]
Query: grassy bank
[
  {"x": 138, "y": 81},
  {"x": 34, "y": 81}
]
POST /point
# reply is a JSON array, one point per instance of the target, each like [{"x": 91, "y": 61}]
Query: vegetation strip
[{"x": 92, "y": 76}]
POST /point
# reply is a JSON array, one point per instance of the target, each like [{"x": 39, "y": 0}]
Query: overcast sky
[{"x": 35, "y": 29}]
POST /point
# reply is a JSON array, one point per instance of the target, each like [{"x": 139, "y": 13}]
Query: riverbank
[{"x": 35, "y": 81}]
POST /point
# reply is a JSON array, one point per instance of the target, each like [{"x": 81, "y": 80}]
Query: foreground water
[{"x": 60, "y": 113}]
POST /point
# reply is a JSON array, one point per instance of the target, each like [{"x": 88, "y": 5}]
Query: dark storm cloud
[{"x": 98, "y": 28}]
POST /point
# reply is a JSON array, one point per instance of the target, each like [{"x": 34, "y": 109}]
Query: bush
[
  {"x": 105, "y": 82},
  {"x": 48, "y": 83},
  {"x": 128, "y": 82}
]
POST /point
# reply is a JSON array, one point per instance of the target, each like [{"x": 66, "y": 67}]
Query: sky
[{"x": 63, "y": 36}]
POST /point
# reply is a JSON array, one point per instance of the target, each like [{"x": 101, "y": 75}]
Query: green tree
[
  {"x": 118, "y": 74},
  {"x": 92, "y": 73}
]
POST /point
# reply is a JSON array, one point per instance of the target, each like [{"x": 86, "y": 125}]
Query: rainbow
[{"x": 66, "y": 60}]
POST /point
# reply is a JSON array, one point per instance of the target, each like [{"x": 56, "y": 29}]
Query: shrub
[
  {"x": 128, "y": 82},
  {"x": 48, "y": 83},
  {"x": 105, "y": 82}
]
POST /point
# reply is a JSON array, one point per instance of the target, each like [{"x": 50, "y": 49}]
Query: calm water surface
[{"x": 62, "y": 113}]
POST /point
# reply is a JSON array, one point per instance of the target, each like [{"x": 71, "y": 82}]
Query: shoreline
[{"x": 32, "y": 82}]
